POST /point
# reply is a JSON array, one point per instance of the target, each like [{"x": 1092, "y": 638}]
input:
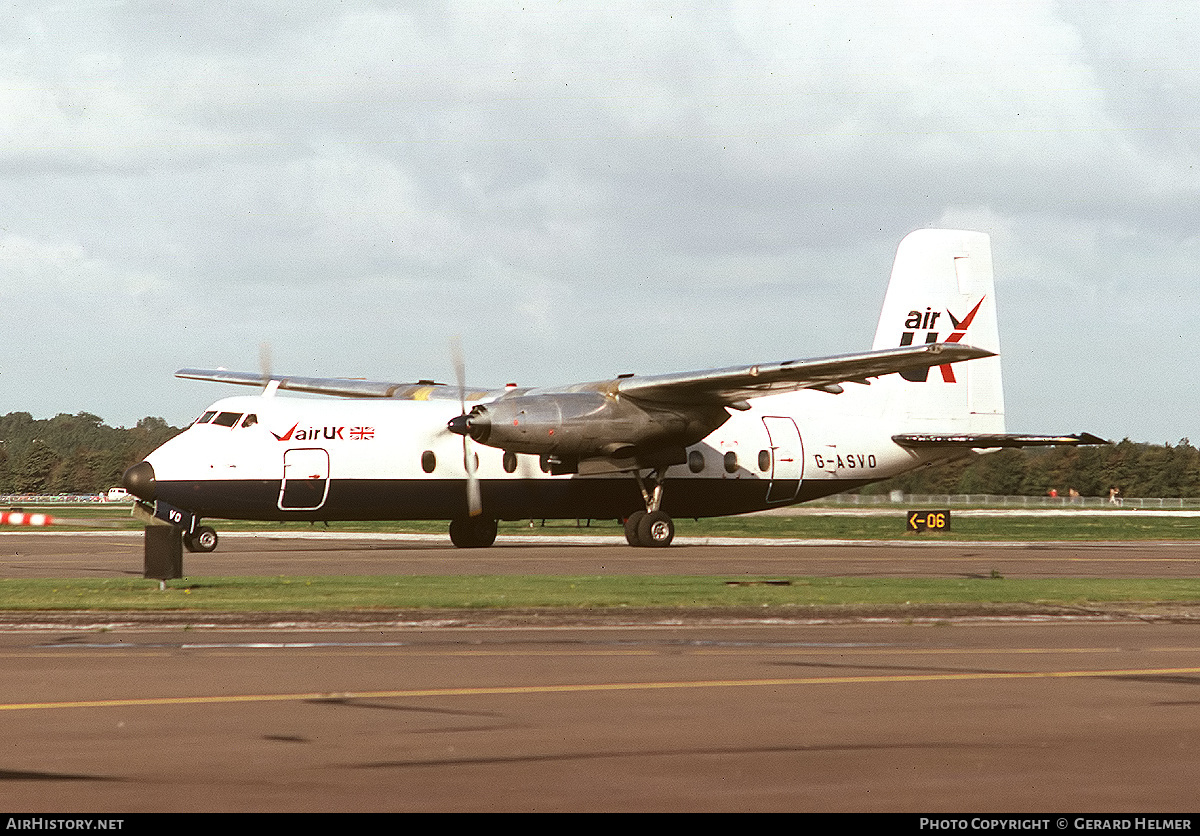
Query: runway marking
[
  {"x": 707, "y": 648},
  {"x": 502, "y": 690},
  {"x": 615, "y": 539},
  {"x": 83, "y": 650}
]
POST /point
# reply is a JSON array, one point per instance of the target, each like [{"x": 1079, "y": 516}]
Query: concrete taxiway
[
  {"x": 641, "y": 713},
  {"x": 705, "y": 717},
  {"x": 114, "y": 555}
]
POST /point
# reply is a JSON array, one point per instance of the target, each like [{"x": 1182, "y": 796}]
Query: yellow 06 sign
[{"x": 929, "y": 520}]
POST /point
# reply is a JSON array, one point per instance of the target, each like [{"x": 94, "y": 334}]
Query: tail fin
[{"x": 942, "y": 290}]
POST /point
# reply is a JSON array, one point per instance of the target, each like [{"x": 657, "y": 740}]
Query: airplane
[{"x": 643, "y": 449}]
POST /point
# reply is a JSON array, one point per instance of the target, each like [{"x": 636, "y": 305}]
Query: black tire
[
  {"x": 656, "y": 530},
  {"x": 631, "y": 528},
  {"x": 203, "y": 539},
  {"x": 475, "y": 533}
]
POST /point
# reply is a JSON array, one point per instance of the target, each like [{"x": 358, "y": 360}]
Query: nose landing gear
[
  {"x": 203, "y": 539},
  {"x": 168, "y": 531}
]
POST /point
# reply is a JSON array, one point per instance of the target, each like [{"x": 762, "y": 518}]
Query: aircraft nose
[{"x": 139, "y": 481}]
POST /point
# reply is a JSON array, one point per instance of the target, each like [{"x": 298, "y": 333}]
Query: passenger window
[
  {"x": 731, "y": 462},
  {"x": 764, "y": 460},
  {"x": 695, "y": 461},
  {"x": 250, "y": 421},
  {"x": 206, "y": 417},
  {"x": 428, "y": 461},
  {"x": 510, "y": 461},
  {"x": 227, "y": 419}
]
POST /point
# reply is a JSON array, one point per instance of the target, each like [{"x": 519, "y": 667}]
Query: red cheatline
[{"x": 21, "y": 518}]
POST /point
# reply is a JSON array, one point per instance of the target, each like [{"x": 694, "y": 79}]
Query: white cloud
[
  {"x": 582, "y": 188},
  {"x": 62, "y": 271}
]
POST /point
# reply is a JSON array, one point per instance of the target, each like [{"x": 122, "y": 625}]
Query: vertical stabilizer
[{"x": 942, "y": 290}]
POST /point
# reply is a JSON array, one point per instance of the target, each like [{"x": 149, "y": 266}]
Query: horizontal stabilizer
[{"x": 990, "y": 440}]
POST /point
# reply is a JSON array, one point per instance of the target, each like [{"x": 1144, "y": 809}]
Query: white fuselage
[{"x": 393, "y": 459}]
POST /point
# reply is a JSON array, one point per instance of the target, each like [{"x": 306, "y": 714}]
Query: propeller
[
  {"x": 474, "y": 500},
  {"x": 264, "y": 364}
]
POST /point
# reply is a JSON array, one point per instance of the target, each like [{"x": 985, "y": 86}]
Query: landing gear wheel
[
  {"x": 473, "y": 533},
  {"x": 203, "y": 539},
  {"x": 656, "y": 530},
  {"x": 631, "y": 528}
]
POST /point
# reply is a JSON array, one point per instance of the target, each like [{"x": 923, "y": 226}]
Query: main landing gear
[
  {"x": 651, "y": 528},
  {"x": 473, "y": 532}
]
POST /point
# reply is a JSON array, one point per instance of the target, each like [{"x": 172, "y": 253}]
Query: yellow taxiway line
[{"x": 591, "y": 688}]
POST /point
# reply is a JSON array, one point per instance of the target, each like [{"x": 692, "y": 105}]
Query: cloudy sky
[{"x": 584, "y": 188}]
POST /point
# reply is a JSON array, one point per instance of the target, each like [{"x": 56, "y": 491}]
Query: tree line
[
  {"x": 81, "y": 454},
  {"x": 74, "y": 454},
  {"x": 1135, "y": 469}
]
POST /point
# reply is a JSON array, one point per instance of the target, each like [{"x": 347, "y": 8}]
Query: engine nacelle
[{"x": 583, "y": 425}]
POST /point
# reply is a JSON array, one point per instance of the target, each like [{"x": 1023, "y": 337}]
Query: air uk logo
[
  {"x": 326, "y": 434},
  {"x": 927, "y": 321}
]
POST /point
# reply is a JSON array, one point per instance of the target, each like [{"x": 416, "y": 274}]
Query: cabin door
[
  {"x": 787, "y": 459},
  {"x": 305, "y": 479}
]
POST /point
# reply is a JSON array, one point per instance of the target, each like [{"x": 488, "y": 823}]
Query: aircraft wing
[
  {"x": 341, "y": 387},
  {"x": 733, "y": 386},
  {"x": 730, "y": 386}
]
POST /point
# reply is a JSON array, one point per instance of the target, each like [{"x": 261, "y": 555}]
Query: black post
[{"x": 164, "y": 553}]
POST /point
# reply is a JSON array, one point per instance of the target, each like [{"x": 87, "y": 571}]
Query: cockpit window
[
  {"x": 206, "y": 417},
  {"x": 250, "y": 421},
  {"x": 227, "y": 419}
]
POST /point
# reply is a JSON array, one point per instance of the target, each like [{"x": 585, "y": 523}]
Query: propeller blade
[
  {"x": 460, "y": 371},
  {"x": 474, "y": 500},
  {"x": 265, "y": 366}
]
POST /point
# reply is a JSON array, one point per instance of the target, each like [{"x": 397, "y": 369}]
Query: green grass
[
  {"x": 1111, "y": 525},
  {"x": 518, "y": 592},
  {"x": 568, "y": 592},
  {"x": 1116, "y": 526}
]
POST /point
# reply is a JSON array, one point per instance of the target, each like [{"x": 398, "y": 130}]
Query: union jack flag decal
[{"x": 362, "y": 433}]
